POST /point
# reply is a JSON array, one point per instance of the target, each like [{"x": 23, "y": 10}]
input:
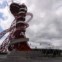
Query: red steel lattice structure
[{"x": 17, "y": 29}]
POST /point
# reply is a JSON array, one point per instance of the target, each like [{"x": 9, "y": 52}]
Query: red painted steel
[{"x": 17, "y": 29}]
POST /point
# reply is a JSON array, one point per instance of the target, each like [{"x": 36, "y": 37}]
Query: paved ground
[{"x": 34, "y": 56}]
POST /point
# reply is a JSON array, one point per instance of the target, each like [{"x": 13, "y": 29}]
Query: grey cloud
[{"x": 50, "y": 21}]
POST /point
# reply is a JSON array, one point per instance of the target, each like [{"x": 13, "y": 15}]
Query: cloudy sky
[{"x": 45, "y": 30}]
